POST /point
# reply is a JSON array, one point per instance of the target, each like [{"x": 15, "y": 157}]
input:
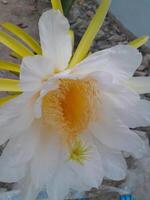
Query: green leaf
[{"x": 66, "y": 4}]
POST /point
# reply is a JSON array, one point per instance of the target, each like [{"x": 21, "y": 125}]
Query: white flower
[{"x": 70, "y": 127}]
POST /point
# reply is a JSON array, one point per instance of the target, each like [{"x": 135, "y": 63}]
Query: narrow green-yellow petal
[
  {"x": 4, "y": 100},
  {"x": 15, "y": 55},
  {"x": 56, "y": 4},
  {"x": 71, "y": 33},
  {"x": 140, "y": 84},
  {"x": 9, "y": 66},
  {"x": 9, "y": 85},
  {"x": 139, "y": 41},
  {"x": 15, "y": 45},
  {"x": 33, "y": 44},
  {"x": 88, "y": 37}
]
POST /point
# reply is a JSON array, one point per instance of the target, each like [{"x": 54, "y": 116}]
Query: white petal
[
  {"x": 104, "y": 80},
  {"x": 53, "y": 82},
  {"x": 15, "y": 116},
  {"x": 114, "y": 164},
  {"x": 28, "y": 190},
  {"x": 114, "y": 134},
  {"x": 121, "y": 61},
  {"x": 90, "y": 173},
  {"x": 10, "y": 175},
  {"x": 20, "y": 149},
  {"x": 55, "y": 40},
  {"x": 139, "y": 115},
  {"x": 61, "y": 183},
  {"x": 34, "y": 71},
  {"x": 16, "y": 155},
  {"x": 139, "y": 84},
  {"x": 46, "y": 161},
  {"x": 132, "y": 110},
  {"x": 38, "y": 108}
]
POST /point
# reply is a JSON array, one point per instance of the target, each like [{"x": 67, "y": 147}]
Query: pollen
[{"x": 71, "y": 107}]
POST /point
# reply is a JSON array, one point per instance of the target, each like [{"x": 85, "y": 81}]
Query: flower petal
[
  {"x": 90, "y": 173},
  {"x": 46, "y": 161},
  {"x": 139, "y": 84},
  {"x": 121, "y": 61},
  {"x": 16, "y": 155},
  {"x": 114, "y": 164},
  {"x": 15, "y": 116},
  {"x": 114, "y": 134},
  {"x": 10, "y": 175},
  {"x": 55, "y": 40},
  {"x": 34, "y": 71},
  {"x": 26, "y": 186},
  {"x": 59, "y": 188},
  {"x": 132, "y": 110}
]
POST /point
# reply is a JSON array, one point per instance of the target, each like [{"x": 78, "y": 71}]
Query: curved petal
[
  {"x": 90, "y": 173},
  {"x": 132, "y": 110},
  {"x": 55, "y": 40},
  {"x": 46, "y": 161},
  {"x": 34, "y": 71},
  {"x": 121, "y": 61},
  {"x": 27, "y": 188},
  {"x": 15, "y": 116},
  {"x": 114, "y": 164},
  {"x": 59, "y": 188},
  {"x": 139, "y": 84},
  {"x": 114, "y": 134},
  {"x": 16, "y": 155},
  {"x": 10, "y": 175}
]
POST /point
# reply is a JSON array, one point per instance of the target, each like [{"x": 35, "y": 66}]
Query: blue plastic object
[{"x": 126, "y": 197}]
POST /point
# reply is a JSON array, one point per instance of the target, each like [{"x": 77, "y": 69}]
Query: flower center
[{"x": 72, "y": 106}]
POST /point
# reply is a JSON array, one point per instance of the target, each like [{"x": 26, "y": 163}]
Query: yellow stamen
[
  {"x": 9, "y": 85},
  {"x": 71, "y": 107},
  {"x": 15, "y": 45},
  {"x": 4, "y": 100},
  {"x": 92, "y": 30},
  {"x": 79, "y": 152},
  {"x": 56, "y": 4},
  {"x": 9, "y": 66},
  {"x": 23, "y": 36},
  {"x": 139, "y": 41}
]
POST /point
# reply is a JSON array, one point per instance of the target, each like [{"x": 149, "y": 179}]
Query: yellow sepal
[
  {"x": 15, "y": 55},
  {"x": 56, "y": 4},
  {"x": 4, "y": 100},
  {"x": 33, "y": 44},
  {"x": 71, "y": 33},
  {"x": 9, "y": 66},
  {"x": 15, "y": 45},
  {"x": 88, "y": 37},
  {"x": 9, "y": 85},
  {"x": 139, "y": 41}
]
